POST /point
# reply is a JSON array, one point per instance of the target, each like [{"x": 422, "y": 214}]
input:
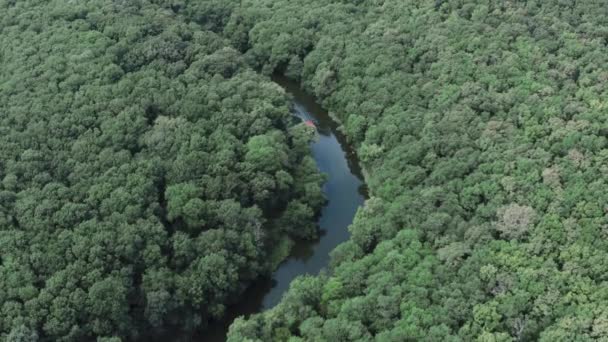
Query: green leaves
[
  {"x": 144, "y": 169},
  {"x": 479, "y": 126},
  {"x": 183, "y": 202},
  {"x": 266, "y": 153}
]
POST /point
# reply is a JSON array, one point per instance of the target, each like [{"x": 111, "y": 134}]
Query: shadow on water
[{"x": 345, "y": 192}]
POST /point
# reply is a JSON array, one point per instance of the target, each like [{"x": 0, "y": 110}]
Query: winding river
[{"x": 345, "y": 192}]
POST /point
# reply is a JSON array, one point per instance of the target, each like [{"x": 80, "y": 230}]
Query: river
[{"x": 345, "y": 192}]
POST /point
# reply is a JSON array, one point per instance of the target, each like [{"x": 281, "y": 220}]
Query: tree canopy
[
  {"x": 482, "y": 129},
  {"x": 145, "y": 171}
]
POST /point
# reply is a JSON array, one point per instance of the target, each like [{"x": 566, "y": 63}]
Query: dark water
[{"x": 345, "y": 192}]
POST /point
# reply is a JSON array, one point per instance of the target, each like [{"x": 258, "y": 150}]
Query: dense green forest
[
  {"x": 483, "y": 128},
  {"x": 146, "y": 173}
]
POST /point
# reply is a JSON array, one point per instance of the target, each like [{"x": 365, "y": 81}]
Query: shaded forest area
[
  {"x": 483, "y": 128},
  {"x": 147, "y": 174}
]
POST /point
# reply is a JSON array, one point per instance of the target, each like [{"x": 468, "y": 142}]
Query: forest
[
  {"x": 147, "y": 174},
  {"x": 483, "y": 128},
  {"x": 150, "y": 170}
]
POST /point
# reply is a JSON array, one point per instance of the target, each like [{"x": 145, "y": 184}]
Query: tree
[{"x": 515, "y": 221}]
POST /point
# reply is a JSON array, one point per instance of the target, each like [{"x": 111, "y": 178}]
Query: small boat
[{"x": 310, "y": 123}]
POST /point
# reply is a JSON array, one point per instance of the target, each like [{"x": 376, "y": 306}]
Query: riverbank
[{"x": 345, "y": 192}]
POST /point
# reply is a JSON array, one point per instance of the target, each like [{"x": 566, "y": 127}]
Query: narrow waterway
[{"x": 345, "y": 192}]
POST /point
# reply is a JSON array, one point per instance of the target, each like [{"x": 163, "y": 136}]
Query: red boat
[{"x": 309, "y": 123}]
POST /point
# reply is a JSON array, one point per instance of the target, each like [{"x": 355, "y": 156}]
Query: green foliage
[
  {"x": 146, "y": 172},
  {"x": 481, "y": 129}
]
